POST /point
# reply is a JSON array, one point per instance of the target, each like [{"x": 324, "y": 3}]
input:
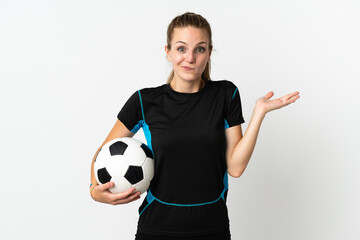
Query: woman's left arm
[{"x": 240, "y": 148}]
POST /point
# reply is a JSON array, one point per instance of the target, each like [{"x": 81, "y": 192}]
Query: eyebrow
[{"x": 196, "y": 44}]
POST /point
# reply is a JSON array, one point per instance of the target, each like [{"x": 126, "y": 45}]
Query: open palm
[{"x": 266, "y": 104}]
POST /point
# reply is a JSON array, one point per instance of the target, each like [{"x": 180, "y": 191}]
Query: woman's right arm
[{"x": 101, "y": 193}]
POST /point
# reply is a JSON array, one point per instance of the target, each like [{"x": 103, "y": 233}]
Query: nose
[{"x": 191, "y": 58}]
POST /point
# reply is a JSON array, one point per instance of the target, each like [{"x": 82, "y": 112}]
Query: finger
[
  {"x": 106, "y": 186},
  {"x": 294, "y": 98},
  {"x": 290, "y": 95},
  {"x": 269, "y": 95},
  {"x": 291, "y": 100},
  {"x": 130, "y": 198},
  {"x": 123, "y": 195}
]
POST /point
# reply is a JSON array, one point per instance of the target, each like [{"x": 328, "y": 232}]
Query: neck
[{"x": 187, "y": 86}]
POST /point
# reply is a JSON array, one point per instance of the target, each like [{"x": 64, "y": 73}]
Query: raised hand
[{"x": 265, "y": 104}]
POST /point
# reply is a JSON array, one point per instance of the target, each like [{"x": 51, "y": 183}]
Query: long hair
[{"x": 193, "y": 20}]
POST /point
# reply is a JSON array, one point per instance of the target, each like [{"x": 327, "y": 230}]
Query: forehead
[{"x": 190, "y": 35}]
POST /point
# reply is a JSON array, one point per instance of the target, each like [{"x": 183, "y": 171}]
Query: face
[{"x": 189, "y": 53}]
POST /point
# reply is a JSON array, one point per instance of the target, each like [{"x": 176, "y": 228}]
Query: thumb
[
  {"x": 106, "y": 186},
  {"x": 269, "y": 95}
]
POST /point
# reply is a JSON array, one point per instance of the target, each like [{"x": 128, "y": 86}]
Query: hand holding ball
[{"x": 127, "y": 162}]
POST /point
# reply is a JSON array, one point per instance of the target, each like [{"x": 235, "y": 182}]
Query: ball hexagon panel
[
  {"x": 135, "y": 155},
  {"x": 120, "y": 185},
  {"x": 117, "y": 148},
  {"x": 117, "y": 165},
  {"x": 147, "y": 151},
  {"x": 134, "y": 174},
  {"x": 148, "y": 169},
  {"x": 103, "y": 175},
  {"x": 131, "y": 141},
  {"x": 142, "y": 186},
  {"x": 101, "y": 158}
]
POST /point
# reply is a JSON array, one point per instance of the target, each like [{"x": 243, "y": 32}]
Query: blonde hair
[{"x": 194, "y": 20}]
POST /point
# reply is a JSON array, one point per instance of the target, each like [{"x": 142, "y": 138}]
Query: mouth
[{"x": 187, "y": 68}]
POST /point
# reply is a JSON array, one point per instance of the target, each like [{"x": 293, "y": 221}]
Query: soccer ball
[{"x": 127, "y": 162}]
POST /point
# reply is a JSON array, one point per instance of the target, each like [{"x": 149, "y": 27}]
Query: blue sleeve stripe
[
  {"x": 142, "y": 108},
  {"x": 234, "y": 94},
  {"x": 136, "y": 127},
  {"x": 226, "y": 124}
]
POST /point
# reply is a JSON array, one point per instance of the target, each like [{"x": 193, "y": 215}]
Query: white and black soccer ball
[{"x": 127, "y": 162}]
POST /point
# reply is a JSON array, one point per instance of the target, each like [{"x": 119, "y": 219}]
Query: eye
[
  {"x": 201, "y": 49},
  {"x": 181, "y": 49}
]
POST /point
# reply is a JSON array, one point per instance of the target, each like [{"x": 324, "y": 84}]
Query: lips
[{"x": 187, "y": 68}]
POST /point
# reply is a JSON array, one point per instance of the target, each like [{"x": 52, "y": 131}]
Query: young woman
[{"x": 193, "y": 126}]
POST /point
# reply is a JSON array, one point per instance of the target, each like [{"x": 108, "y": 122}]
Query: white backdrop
[{"x": 67, "y": 67}]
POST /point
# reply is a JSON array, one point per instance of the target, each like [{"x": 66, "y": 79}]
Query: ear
[
  {"x": 210, "y": 51},
  {"x": 167, "y": 50}
]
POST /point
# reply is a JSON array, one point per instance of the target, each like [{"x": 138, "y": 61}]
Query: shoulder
[
  {"x": 136, "y": 94},
  {"x": 152, "y": 88},
  {"x": 222, "y": 83},
  {"x": 225, "y": 85},
  {"x": 152, "y": 92}
]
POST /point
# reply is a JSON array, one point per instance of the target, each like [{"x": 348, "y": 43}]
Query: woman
[{"x": 193, "y": 126}]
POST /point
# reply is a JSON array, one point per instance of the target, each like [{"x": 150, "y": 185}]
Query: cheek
[
  {"x": 203, "y": 59},
  {"x": 176, "y": 59}
]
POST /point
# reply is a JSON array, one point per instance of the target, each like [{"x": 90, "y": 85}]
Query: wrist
[
  {"x": 259, "y": 111},
  {"x": 92, "y": 187}
]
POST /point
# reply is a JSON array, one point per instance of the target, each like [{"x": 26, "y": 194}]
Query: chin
[{"x": 189, "y": 78}]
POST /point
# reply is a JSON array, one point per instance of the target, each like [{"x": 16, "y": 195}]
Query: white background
[{"x": 67, "y": 67}]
